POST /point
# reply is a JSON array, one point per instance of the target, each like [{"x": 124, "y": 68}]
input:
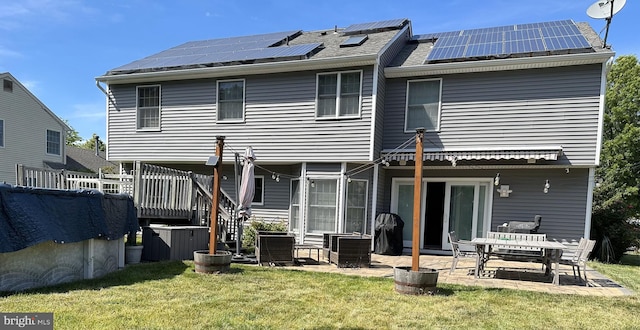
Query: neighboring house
[
  {"x": 30, "y": 133},
  {"x": 85, "y": 160},
  {"x": 513, "y": 117}
]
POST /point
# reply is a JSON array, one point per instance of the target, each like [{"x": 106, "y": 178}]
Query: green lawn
[{"x": 169, "y": 295}]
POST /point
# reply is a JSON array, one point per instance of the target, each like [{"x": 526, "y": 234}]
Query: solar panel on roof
[
  {"x": 372, "y": 26},
  {"x": 506, "y": 40},
  {"x": 223, "y": 50}
]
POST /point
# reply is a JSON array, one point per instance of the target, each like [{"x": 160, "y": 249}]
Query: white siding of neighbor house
[
  {"x": 25, "y": 132},
  {"x": 280, "y": 123},
  {"x": 555, "y": 106}
]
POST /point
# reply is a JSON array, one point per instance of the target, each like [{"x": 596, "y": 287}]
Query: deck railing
[{"x": 160, "y": 194}]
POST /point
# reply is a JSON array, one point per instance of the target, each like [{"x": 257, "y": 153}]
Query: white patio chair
[
  {"x": 579, "y": 258},
  {"x": 457, "y": 253}
]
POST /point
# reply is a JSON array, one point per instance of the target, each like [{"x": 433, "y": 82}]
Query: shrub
[
  {"x": 250, "y": 233},
  {"x": 613, "y": 233}
]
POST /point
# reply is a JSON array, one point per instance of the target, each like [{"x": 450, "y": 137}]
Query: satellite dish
[{"x": 605, "y": 8}]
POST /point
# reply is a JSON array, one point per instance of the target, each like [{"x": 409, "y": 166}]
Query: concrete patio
[{"x": 498, "y": 274}]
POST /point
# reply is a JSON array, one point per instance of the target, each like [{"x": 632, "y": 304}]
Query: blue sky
[{"x": 57, "y": 47}]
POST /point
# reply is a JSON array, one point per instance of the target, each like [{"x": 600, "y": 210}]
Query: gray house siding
[
  {"x": 25, "y": 131},
  {"x": 563, "y": 208},
  {"x": 556, "y": 106},
  {"x": 279, "y": 124}
]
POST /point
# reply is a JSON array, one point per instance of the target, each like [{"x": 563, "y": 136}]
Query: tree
[
  {"x": 73, "y": 137},
  {"x": 616, "y": 197},
  {"x": 91, "y": 143}
]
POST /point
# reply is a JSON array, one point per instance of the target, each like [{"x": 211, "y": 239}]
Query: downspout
[
  {"x": 113, "y": 101},
  {"x": 374, "y": 201},
  {"x": 587, "y": 217}
]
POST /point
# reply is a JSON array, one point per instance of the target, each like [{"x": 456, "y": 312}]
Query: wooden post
[
  {"x": 417, "y": 198},
  {"x": 213, "y": 235}
]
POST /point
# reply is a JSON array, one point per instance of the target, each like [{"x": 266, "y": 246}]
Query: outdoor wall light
[
  {"x": 277, "y": 178},
  {"x": 349, "y": 179},
  {"x": 313, "y": 183},
  {"x": 273, "y": 175},
  {"x": 504, "y": 191},
  {"x": 496, "y": 181},
  {"x": 224, "y": 177},
  {"x": 454, "y": 161},
  {"x": 546, "y": 187}
]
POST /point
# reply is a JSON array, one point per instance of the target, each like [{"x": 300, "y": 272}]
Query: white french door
[
  {"x": 465, "y": 211},
  {"x": 467, "y": 207}
]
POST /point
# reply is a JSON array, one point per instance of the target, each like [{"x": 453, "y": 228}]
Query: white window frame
[
  {"x": 292, "y": 205},
  {"x": 406, "y": 106},
  {"x": 308, "y": 205},
  {"x": 366, "y": 204},
  {"x": 338, "y": 83},
  {"x": 244, "y": 96},
  {"x": 47, "y": 142},
  {"x": 138, "y": 108},
  {"x": 2, "y": 134},
  {"x": 261, "y": 202}
]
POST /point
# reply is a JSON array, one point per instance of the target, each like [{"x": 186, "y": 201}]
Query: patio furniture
[
  {"x": 486, "y": 246},
  {"x": 350, "y": 250},
  {"x": 523, "y": 253},
  {"x": 274, "y": 248},
  {"x": 326, "y": 243},
  {"x": 457, "y": 253},
  {"x": 579, "y": 258}
]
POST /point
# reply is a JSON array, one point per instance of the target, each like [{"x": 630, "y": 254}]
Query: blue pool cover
[{"x": 29, "y": 216}]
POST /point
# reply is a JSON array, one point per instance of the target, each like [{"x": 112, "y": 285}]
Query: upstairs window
[
  {"x": 53, "y": 142},
  {"x": 338, "y": 95},
  {"x": 231, "y": 101},
  {"x": 7, "y": 85},
  {"x": 1, "y": 133},
  {"x": 148, "y": 107},
  {"x": 423, "y": 105}
]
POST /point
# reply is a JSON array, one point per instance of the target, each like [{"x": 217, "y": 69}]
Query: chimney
[{"x": 97, "y": 138}]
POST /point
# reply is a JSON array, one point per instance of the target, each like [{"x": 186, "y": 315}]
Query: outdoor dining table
[{"x": 552, "y": 252}]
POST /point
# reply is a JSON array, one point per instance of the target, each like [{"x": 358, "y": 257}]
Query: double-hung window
[
  {"x": 1, "y": 133},
  {"x": 231, "y": 100},
  {"x": 148, "y": 103},
  {"x": 53, "y": 142},
  {"x": 338, "y": 94},
  {"x": 423, "y": 105}
]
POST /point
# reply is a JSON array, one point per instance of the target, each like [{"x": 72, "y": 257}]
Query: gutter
[
  {"x": 498, "y": 64},
  {"x": 245, "y": 69}
]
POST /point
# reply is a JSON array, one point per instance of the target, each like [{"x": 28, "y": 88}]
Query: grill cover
[{"x": 388, "y": 234}]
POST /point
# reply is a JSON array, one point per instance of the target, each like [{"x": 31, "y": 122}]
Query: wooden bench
[
  {"x": 509, "y": 253},
  {"x": 274, "y": 248},
  {"x": 350, "y": 250}
]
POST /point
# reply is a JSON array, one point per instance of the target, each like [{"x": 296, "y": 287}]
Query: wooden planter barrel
[
  {"x": 206, "y": 263},
  {"x": 423, "y": 281}
]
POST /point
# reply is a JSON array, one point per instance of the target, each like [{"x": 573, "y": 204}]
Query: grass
[{"x": 169, "y": 295}]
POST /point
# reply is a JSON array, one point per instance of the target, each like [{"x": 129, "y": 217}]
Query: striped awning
[{"x": 546, "y": 154}]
